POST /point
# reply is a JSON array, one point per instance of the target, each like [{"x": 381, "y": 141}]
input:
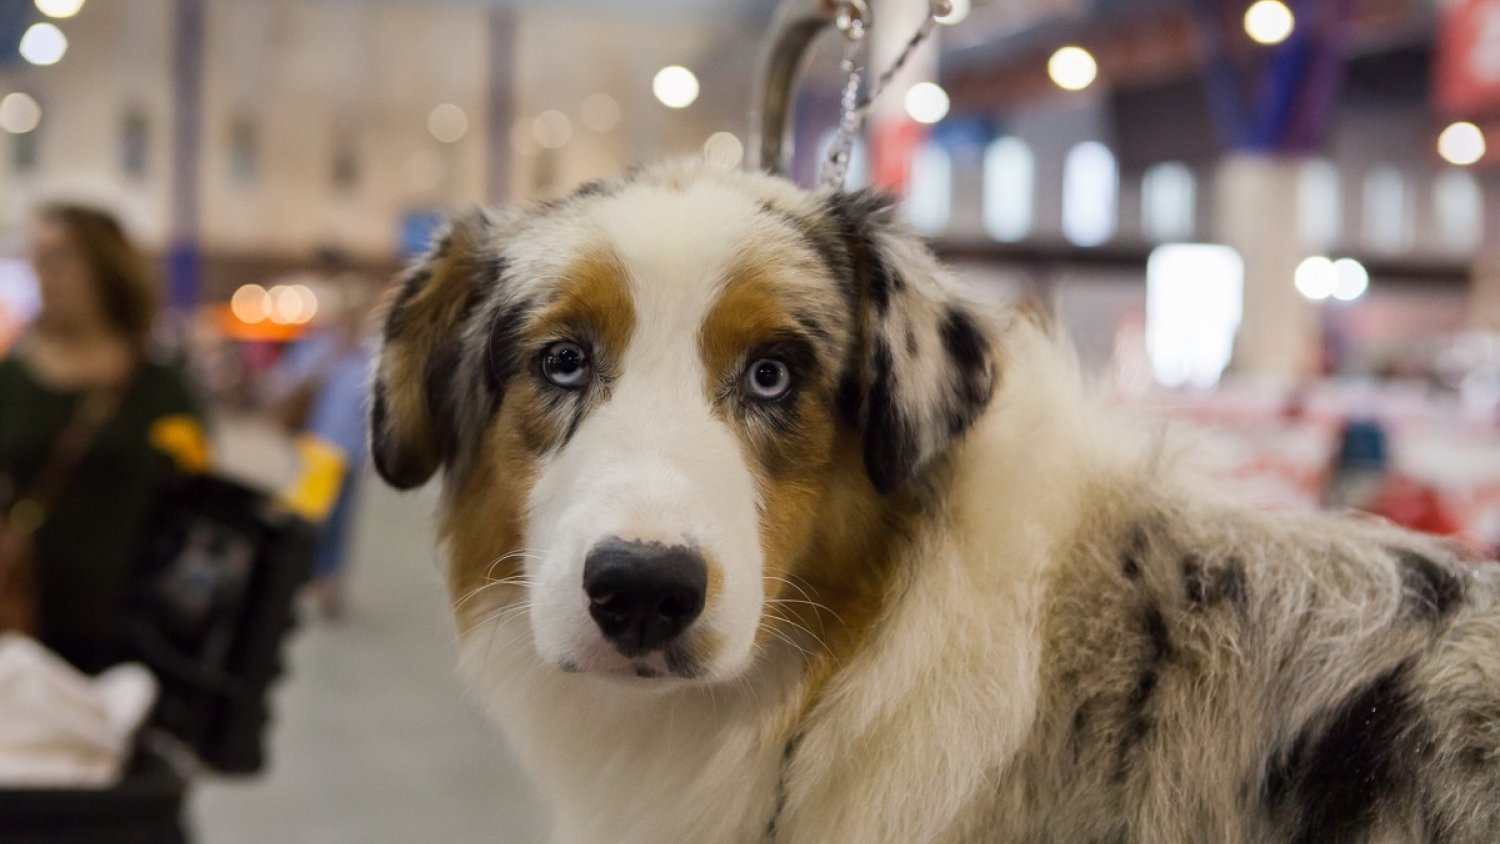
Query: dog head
[{"x": 659, "y": 402}]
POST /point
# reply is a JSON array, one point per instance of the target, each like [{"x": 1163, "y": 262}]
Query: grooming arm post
[{"x": 797, "y": 23}]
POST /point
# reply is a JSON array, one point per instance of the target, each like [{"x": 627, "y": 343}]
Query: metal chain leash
[{"x": 853, "y": 21}]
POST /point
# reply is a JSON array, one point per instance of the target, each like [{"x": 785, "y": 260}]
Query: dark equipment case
[{"x": 219, "y": 577}]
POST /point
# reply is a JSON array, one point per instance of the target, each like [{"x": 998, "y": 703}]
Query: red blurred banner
[
  {"x": 893, "y": 142},
  {"x": 1467, "y": 66}
]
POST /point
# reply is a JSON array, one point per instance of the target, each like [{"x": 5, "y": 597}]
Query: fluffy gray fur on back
[{"x": 1220, "y": 675}]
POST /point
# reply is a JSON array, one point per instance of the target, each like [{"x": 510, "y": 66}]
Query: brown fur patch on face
[
  {"x": 594, "y": 303},
  {"x": 830, "y": 541},
  {"x": 594, "y": 309},
  {"x": 715, "y": 587},
  {"x": 485, "y": 525},
  {"x": 790, "y": 440},
  {"x": 825, "y": 533}
]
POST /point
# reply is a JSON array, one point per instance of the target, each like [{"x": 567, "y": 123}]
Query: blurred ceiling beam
[{"x": 1136, "y": 43}]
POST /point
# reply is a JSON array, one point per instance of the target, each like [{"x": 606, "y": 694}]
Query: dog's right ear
[{"x": 414, "y": 426}]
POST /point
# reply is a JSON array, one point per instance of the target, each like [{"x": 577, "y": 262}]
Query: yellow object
[
  {"x": 181, "y": 438},
  {"x": 314, "y": 493}
]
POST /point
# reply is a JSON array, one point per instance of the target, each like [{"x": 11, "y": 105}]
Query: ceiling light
[
  {"x": 250, "y": 304},
  {"x": 599, "y": 112},
  {"x": 1461, "y": 144},
  {"x": 1269, "y": 22},
  {"x": 43, "y": 44},
  {"x": 448, "y": 123},
  {"x": 1351, "y": 279},
  {"x": 59, "y": 8},
  {"x": 675, "y": 86},
  {"x": 926, "y": 102},
  {"x": 19, "y": 113},
  {"x": 723, "y": 150},
  {"x": 552, "y": 129},
  {"x": 1072, "y": 68},
  {"x": 1316, "y": 278}
]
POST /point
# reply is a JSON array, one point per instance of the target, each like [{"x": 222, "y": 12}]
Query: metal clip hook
[{"x": 852, "y": 18}]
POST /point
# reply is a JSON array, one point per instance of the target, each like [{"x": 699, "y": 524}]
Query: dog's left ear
[
  {"x": 925, "y": 367},
  {"x": 420, "y": 397}
]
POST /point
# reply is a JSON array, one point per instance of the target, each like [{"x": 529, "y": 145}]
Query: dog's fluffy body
[{"x": 1003, "y": 621}]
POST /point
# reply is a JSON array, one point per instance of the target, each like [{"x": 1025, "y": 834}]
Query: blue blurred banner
[
  {"x": 417, "y": 231},
  {"x": 14, "y": 17}
]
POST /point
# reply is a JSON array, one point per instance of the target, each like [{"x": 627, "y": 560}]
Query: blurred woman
[{"x": 84, "y": 371}]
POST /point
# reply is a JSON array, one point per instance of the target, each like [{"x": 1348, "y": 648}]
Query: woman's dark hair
[{"x": 127, "y": 291}]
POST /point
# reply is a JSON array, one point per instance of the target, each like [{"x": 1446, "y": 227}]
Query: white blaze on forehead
[
  {"x": 677, "y": 246},
  {"x": 653, "y": 462}
]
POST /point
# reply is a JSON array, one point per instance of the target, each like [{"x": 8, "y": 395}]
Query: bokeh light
[
  {"x": 926, "y": 102},
  {"x": 1316, "y": 278},
  {"x": 599, "y": 112},
  {"x": 1351, "y": 279},
  {"x": 675, "y": 86},
  {"x": 552, "y": 129},
  {"x": 19, "y": 113},
  {"x": 1269, "y": 22},
  {"x": 59, "y": 8},
  {"x": 448, "y": 123},
  {"x": 44, "y": 44},
  {"x": 1462, "y": 144},
  {"x": 250, "y": 304},
  {"x": 1072, "y": 68},
  {"x": 291, "y": 304},
  {"x": 723, "y": 150}
]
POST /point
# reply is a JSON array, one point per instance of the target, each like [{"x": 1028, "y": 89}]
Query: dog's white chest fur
[
  {"x": 900, "y": 742},
  {"x": 631, "y": 765}
]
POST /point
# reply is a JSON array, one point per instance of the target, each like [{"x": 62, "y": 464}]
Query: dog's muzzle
[{"x": 643, "y": 595}]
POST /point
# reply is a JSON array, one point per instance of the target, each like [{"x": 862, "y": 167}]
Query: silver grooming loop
[{"x": 797, "y": 24}]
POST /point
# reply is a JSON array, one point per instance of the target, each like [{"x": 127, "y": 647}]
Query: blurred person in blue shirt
[{"x": 319, "y": 391}]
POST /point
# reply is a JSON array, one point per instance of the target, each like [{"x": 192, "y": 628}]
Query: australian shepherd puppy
[{"x": 759, "y": 530}]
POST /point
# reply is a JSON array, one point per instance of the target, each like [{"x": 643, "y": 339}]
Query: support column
[
  {"x": 1484, "y": 292},
  {"x": 892, "y": 134},
  {"x": 500, "y": 108},
  {"x": 1256, "y": 213},
  {"x": 183, "y": 270}
]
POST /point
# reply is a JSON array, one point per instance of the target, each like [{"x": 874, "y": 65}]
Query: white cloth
[{"x": 61, "y": 728}]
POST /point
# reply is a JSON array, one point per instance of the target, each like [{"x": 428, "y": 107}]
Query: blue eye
[
  {"x": 767, "y": 379},
  {"x": 565, "y": 364}
]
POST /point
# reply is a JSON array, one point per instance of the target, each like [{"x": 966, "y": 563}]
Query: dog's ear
[
  {"x": 418, "y": 395},
  {"x": 924, "y": 366}
]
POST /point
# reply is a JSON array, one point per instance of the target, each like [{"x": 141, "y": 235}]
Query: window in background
[
  {"x": 1318, "y": 205},
  {"x": 244, "y": 152},
  {"x": 23, "y": 151},
  {"x": 1009, "y": 188},
  {"x": 19, "y": 299},
  {"x": 929, "y": 195},
  {"x": 344, "y": 168},
  {"x": 1458, "y": 206},
  {"x": 1091, "y": 190},
  {"x": 135, "y": 143},
  {"x": 1169, "y": 202},
  {"x": 1194, "y": 302},
  {"x": 1387, "y": 214}
]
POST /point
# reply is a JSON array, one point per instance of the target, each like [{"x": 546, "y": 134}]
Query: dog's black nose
[{"x": 642, "y": 595}]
